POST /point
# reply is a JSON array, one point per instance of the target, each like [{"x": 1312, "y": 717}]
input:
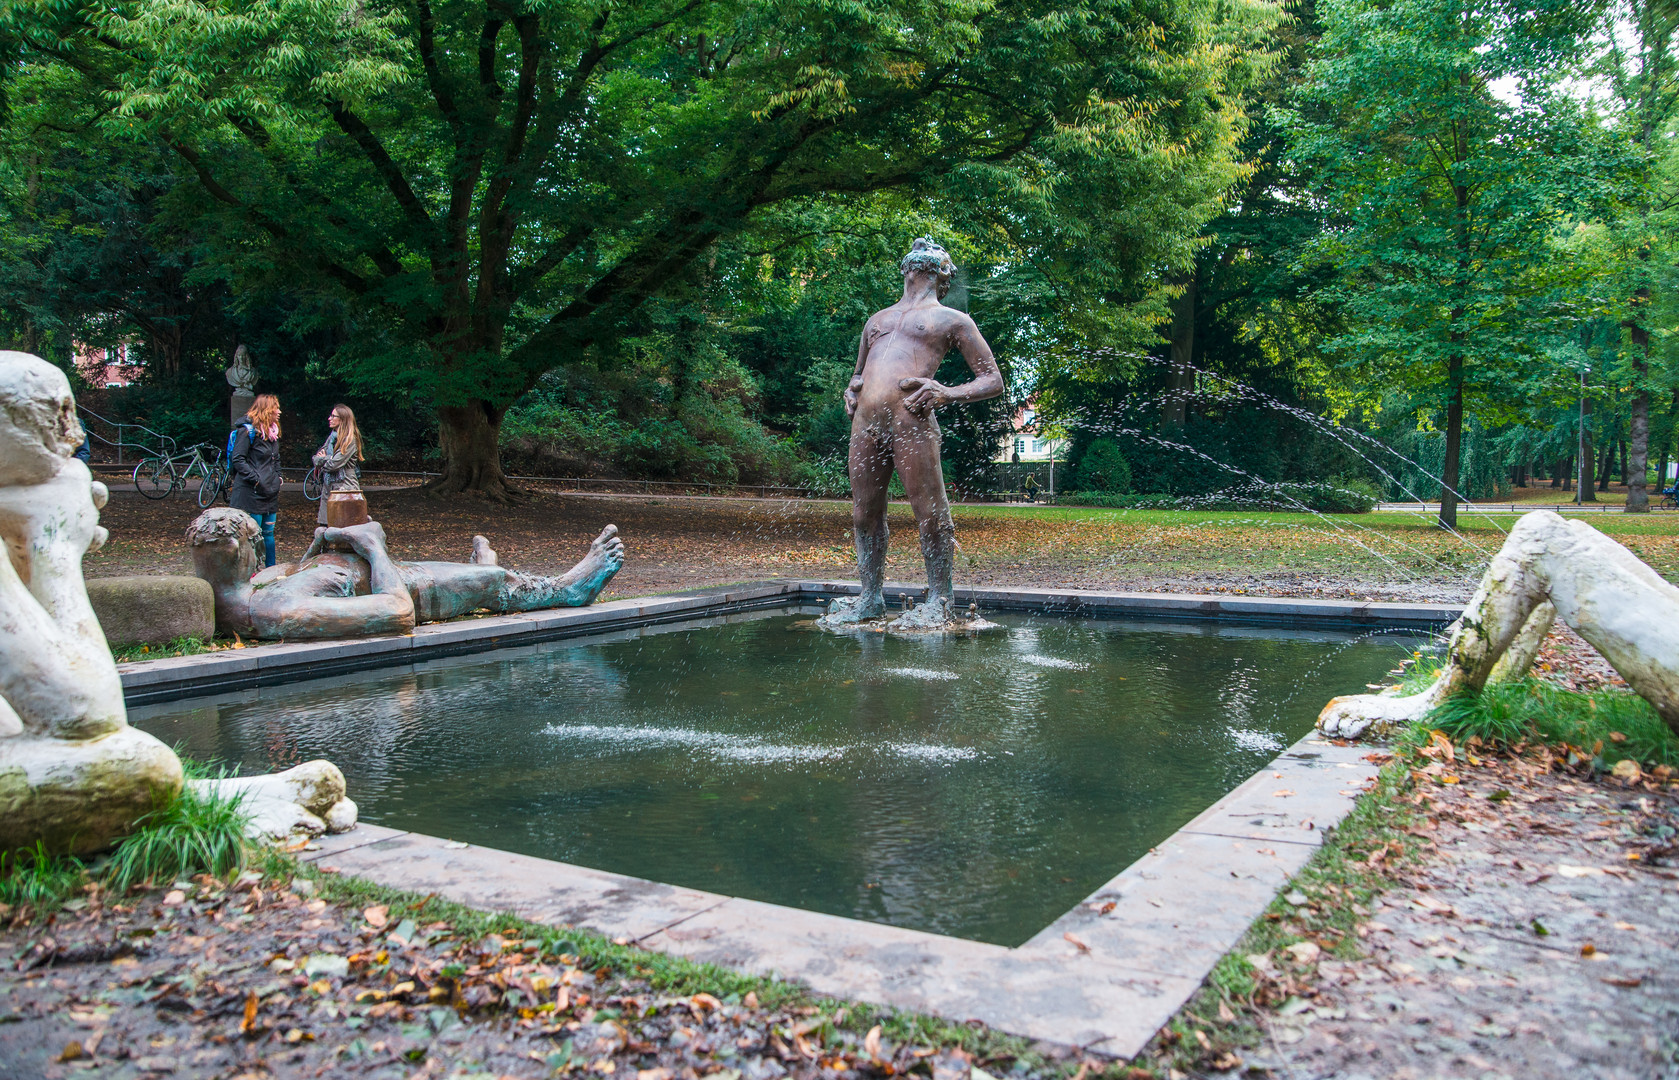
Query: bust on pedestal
[{"x": 242, "y": 376}]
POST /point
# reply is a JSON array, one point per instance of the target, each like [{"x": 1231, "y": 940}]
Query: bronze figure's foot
[
  {"x": 938, "y": 613},
  {"x": 848, "y": 612},
  {"x": 605, "y": 558}
]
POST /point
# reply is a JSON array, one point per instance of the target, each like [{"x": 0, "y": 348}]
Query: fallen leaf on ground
[
  {"x": 1578, "y": 871},
  {"x": 1082, "y": 947}
]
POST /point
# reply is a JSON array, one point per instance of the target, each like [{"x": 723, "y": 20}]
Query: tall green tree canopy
[
  {"x": 1447, "y": 158},
  {"x": 482, "y": 190}
]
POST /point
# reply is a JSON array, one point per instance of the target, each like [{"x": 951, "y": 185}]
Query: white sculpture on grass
[
  {"x": 1548, "y": 568},
  {"x": 73, "y": 774}
]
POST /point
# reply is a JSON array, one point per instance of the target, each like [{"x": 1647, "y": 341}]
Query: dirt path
[
  {"x": 676, "y": 543},
  {"x": 1539, "y": 940}
]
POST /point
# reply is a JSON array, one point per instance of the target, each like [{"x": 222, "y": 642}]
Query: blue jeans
[{"x": 267, "y": 523}]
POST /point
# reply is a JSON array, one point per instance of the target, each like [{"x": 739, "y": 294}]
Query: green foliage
[
  {"x": 196, "y": 832},
  {"x": 1509, "y": 713},
  {"x": 472, "y": 196},
  {"x": 1103, "y": 468},
  {"x": 183, "y": 646}
]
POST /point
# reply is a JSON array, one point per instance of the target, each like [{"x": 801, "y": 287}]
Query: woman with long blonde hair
[
  {"x": 338, "y": 456},
  {"x": 255, "y": 462}
]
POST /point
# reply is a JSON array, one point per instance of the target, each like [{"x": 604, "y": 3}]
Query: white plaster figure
[
  {"x": 1549, "y": 568},
  {"x": 73, "y": 774}
]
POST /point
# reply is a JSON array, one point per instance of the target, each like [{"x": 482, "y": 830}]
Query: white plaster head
[{"x": 38, "y": 427}]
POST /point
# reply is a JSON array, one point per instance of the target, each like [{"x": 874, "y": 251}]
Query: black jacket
[{"x": 256, "y": 473}]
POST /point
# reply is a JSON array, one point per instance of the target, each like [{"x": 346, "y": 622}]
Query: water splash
[
  {"x": 1039, "y": 660},
  {"x": 752, "y": 749},
  {"x": 921, "y": 673}
]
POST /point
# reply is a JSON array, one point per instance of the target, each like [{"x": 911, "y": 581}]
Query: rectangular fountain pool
[{"x": 974, "y": 787}]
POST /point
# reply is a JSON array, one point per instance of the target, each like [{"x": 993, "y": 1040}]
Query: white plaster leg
[
  {"x": 1517, "y": 661},
  {"x": 1549, "y": 567}
]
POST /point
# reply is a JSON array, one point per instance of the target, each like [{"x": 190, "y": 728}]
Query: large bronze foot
[{"x": 848, "y": 612}]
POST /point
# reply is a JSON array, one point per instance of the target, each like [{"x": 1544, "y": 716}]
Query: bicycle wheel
[
  {"x": 312, "y": 485},
  {"x": 155, "y": 477},
  {"x": 211, "y": 489}
]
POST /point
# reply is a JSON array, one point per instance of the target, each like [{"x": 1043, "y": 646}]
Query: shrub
[
  {"x": 1113, "y": 501},
  {"x": 1103, "y": 469}
]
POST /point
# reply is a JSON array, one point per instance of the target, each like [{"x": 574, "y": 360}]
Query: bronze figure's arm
[{"x": 925, "y": 395}]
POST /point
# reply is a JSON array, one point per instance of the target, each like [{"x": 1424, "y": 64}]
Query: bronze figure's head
[
  {"x": 926, "y": 255},
  {"x": 224, "y": 544}
]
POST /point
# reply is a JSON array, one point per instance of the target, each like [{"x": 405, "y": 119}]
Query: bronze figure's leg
[
  {"x": 870, "y": 465},
  {"x": 917, "y": 444},
  {"x": 577, "y": 587}
]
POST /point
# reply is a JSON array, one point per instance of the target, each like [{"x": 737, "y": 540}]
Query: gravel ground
[{"x": 261, "y": 979}]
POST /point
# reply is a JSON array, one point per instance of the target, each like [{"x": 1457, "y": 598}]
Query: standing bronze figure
[{"x": 891, "y": 400}]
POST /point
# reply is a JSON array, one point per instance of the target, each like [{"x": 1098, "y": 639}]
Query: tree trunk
[
  {"x": 1454, "y": 445},
  {"x": 1558, "y": 473},
  {"x": 1605, "y": 467},
  {"x": 470, "y": 437},
  {"x": 1568, "y": 474},
  {"x": 1180, "y": 373},
  {"x": 1587, "y": 490},
  {"x": 1639, "y": 454}
]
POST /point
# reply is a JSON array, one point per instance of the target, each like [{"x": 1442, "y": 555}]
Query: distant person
[
  {"x": 1031, "y": 486},
  {"x": 255, "y": 462},
  {"x": 84, "y": 452},
  {"x": 338, "y": 456}
]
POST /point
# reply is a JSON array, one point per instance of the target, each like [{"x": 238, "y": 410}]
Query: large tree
[
  {"x": 1447, "y": 156},
  {"x": 482, "y": 189},
  {"x": 1640, "y": 67}
]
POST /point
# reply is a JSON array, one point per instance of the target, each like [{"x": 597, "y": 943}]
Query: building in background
[{"x": 112, "y": 367}]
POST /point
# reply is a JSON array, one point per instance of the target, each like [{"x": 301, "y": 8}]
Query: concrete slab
[
  {"x": 1179, "y": 908},
  {"x": 1073, "y": 999},
  {"x": 148, "y": 673},
  {"x": 311, "y": 654},
  {"x": 538, "y": 889},
  {"x": 338, "y": 843}
]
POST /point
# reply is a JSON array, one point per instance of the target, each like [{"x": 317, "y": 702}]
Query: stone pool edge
[
  {"x": 1099, "y": 977},
  {"x": 1105, "y": 976},
  {"x": 147, "y": 682}
]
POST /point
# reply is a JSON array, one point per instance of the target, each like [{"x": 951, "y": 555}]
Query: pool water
[{"x": 977, "y": 787}]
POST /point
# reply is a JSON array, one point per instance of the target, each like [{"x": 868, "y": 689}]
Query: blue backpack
[{"x": 232, "y": 436}]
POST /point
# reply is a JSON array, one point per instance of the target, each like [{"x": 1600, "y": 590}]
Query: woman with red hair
[{"x": 256, "y": 467}]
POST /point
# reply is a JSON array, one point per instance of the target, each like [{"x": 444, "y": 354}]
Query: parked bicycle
[
  {"x": 312, "y": 484},
  {"x": 158, "y": 476}
]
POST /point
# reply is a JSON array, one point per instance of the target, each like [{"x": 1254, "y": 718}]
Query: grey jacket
[{"x": 339, "y": 471}]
